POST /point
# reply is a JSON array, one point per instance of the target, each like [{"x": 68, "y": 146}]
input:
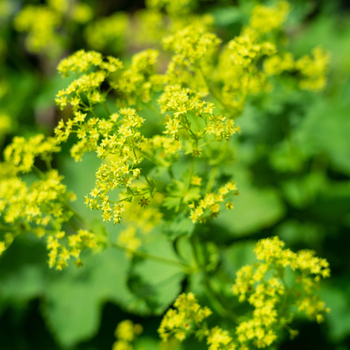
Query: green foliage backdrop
[{"x": 291, "y": 164}]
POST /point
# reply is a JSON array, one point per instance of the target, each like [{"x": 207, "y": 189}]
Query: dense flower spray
[{"x": 190, "y": 95}]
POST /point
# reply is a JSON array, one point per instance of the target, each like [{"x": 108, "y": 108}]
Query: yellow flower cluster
[
  {"x": 79, "y": 62},
  {"x": 264, "y": 287},
  {"x": 62, "y": 247},
  {"x": 84, "y": 92},
  {"x": 42, "y": 23},
  {"x": 238, "y": 69},
  {"x": 221, "y": 127},
  {"x": 271, "y": 250},
  {"x": 182, "y": 320},
  {"x": 277, "y": 64},
  {"x": 179, "y": 103},
  {"x": 21, "y": 153},
  {"x": 107, "y": 32},
  {"x": 193, "y": 47},
  {"x": 116, "y": 139},
  {"x": 41, "y": 207},
  {"x": 209, "y": 205},
  {"x": 126, "y": 332},
  {"x": 239, "y": 63},
  {"x": 245, "y": 51},
  {"x": 43, "y": 202},
  {"x": 265, "y": 19},
  {"x": 189, "y": 123},
  {"x": 139, "y": 82},
  {"x": 314, "y": 69},
  {"x": 119, "y": 145},
  {"x": 151, "y": 24},
  {"x": 219, "y": 339},
  {"x": 187, "y": 319},
  {"x": 163, "y": 149}
]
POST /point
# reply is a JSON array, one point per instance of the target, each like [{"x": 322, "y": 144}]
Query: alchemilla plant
[{"x": 163, "y": 171}]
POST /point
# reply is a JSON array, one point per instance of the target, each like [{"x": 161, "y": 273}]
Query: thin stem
[
  {"x": 152, "y": 109},
  {"x": 151, "y": 186},
  {"x": 190, "y": 174},
  {"x": 154, "y": 160},
  {"x": 22, "y": 230},
  {"x": 212, "y": 92},
  {"x": 147, "y": 179},
  {"x": 38, "y": 171},
  {"x": 48, "y": 164},
  {"x": 211, "y": 178},
  {"x": 135, "y": 252},
  {"x": 225, "y": 312},
  {"x": 94, "y": 114},
  {"x": 151, "y": 257},
  {"x": 80, "y": 218},
  {"x": 171, "y": 173},
  {"x": 217, "y": 303},
  {"x": 106, "y": 108}
]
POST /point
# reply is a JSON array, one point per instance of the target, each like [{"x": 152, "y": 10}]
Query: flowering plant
[{"x": 162, "y": 127}]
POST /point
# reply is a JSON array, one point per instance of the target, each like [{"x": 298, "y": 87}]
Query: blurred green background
[{"x": 292, "y": 164}]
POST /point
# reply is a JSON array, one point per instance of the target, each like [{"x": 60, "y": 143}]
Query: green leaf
[
  {"x": 326, "y": 130},
  {"x": 146, "y": 343},
  {"x": 301, "y": 192},
  {"x": 25, "y": 277},
  {"x": 236, "y": 256},
  {"x": 191, "y": 195},
  {"x": 339, "y": 317},
  {"x": 158, "y": 283},
  {"x": 172, "y": 202},
  {"x": 254, "y": 208},
  {"x": 73, "y": 300},
  {"x": 180, "y": 225},
  {"x": 225, "y": 16}
]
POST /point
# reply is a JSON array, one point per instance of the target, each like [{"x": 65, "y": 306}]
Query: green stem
[
  {"x": 155, "y": 160},
  {"x": 151, "y": 257},
  {"x": 224, "y": 311},
  {"x": 106, "y": 108},
  {"x": 38, "y": 171},
  {"x": 188, "y": 270},
  {"x": 216, "y": 300},
  {"x": 153, "y": 110},
  {"x": 80, "y": 218},
  {"x": 211, "y": 179},
  {"x": 150, "y": 185},
  {"x": 190, "y": 174},
  {"x": 22, "y": 230},
  {"x": 171, "y": 173},
  {"x": 48, "y": 164},
  {"x": 212, "y": 92}
]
